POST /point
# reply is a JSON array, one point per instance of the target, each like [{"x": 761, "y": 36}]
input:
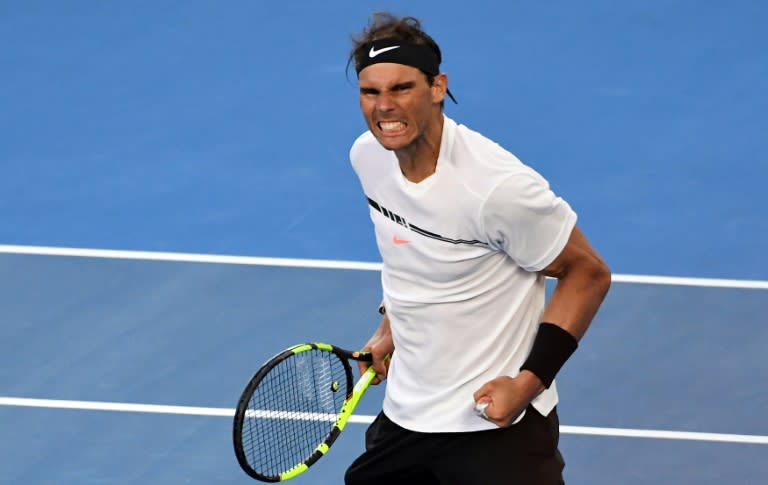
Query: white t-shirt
[{"x": 460, "y": 252}]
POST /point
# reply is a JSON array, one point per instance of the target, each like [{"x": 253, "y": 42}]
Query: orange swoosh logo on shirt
[{"x": 399, "y": 241}]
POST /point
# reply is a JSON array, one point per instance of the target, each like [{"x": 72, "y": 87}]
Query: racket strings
[{"x": 292, "y": 410}]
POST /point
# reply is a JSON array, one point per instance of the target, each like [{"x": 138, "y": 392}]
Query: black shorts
[{"x": 523, "y": 454}]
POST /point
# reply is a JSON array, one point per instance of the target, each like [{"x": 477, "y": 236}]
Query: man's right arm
[{"x": 381, "y": 346}]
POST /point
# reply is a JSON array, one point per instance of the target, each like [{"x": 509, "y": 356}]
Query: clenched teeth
[{"x": 391, "y": 125}]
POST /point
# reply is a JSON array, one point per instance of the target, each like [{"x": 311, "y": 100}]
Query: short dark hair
[{"x": 384, "y": 25}]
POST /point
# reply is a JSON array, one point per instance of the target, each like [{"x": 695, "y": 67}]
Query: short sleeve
[{"x": 526, "y": 220}]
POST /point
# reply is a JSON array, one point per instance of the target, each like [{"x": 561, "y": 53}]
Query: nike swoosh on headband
[{"x": 373, "y": 52}]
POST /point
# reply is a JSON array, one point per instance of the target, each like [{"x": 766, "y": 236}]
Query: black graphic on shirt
[{"x": 400, "y": 220}]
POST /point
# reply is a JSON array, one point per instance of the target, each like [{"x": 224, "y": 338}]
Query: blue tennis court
[{"x": 177, "y": 206}]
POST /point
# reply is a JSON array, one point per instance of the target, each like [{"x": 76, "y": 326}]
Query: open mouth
[{"x": 391, "y": 127}]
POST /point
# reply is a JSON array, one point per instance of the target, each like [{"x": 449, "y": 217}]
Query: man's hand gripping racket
[{"x": 294, "y": 408}]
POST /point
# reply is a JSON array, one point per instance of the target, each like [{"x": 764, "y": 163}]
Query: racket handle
[
  {"x": 368, "y": 376},
  {"x": 365, "y": 380}
]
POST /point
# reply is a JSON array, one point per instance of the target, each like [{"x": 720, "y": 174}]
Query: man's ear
[{"x": 439, "y": 87}]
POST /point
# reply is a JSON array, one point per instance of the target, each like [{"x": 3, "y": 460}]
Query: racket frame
[{"x": 353, "y": 396}]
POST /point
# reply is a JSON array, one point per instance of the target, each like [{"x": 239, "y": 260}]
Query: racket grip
[{"x": 368, "y": 376}]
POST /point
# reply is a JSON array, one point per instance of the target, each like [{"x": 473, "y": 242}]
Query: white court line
[
  {"x": 224, "y": 412},
  {"x": 138, "y": 408},
  {"x": 188, "y": 257},
  {"x": 333, "y": 264}
]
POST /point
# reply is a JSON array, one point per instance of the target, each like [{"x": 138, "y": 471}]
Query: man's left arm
[{"x": 583, "y": 280}]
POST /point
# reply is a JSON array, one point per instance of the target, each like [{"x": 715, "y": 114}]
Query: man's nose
[{"x": 384, "y": 102}]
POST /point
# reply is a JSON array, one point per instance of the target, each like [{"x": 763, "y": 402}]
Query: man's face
[{"x": 398, "y": 103}]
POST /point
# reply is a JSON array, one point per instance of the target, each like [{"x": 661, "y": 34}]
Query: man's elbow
[{"x": 600, "y": 276}]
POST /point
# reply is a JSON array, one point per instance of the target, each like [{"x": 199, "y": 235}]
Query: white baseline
[
  {"x": 361, "y": 419},
  {"x": 335, "y": 264}
]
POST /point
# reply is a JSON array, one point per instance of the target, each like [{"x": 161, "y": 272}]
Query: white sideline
[
  {"x": 362, "y": 419},
  {"x": 337, "y": 264}
]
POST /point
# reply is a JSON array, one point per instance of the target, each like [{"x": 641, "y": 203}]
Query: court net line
[
  {"x": 335, "y": 264},
  {"x": 362, "y": 419}
]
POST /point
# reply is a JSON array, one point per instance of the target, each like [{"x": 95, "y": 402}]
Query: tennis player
[{"x": 467, "y": 234}]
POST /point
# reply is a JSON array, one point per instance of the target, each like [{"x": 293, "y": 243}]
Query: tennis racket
[{"x": 294, "y": 407}]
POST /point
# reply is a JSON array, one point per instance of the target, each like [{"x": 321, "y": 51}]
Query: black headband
[{"x": 420, "y": 56}]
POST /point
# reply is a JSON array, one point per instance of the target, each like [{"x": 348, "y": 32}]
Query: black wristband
[{"x": 551, "y": 348}]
